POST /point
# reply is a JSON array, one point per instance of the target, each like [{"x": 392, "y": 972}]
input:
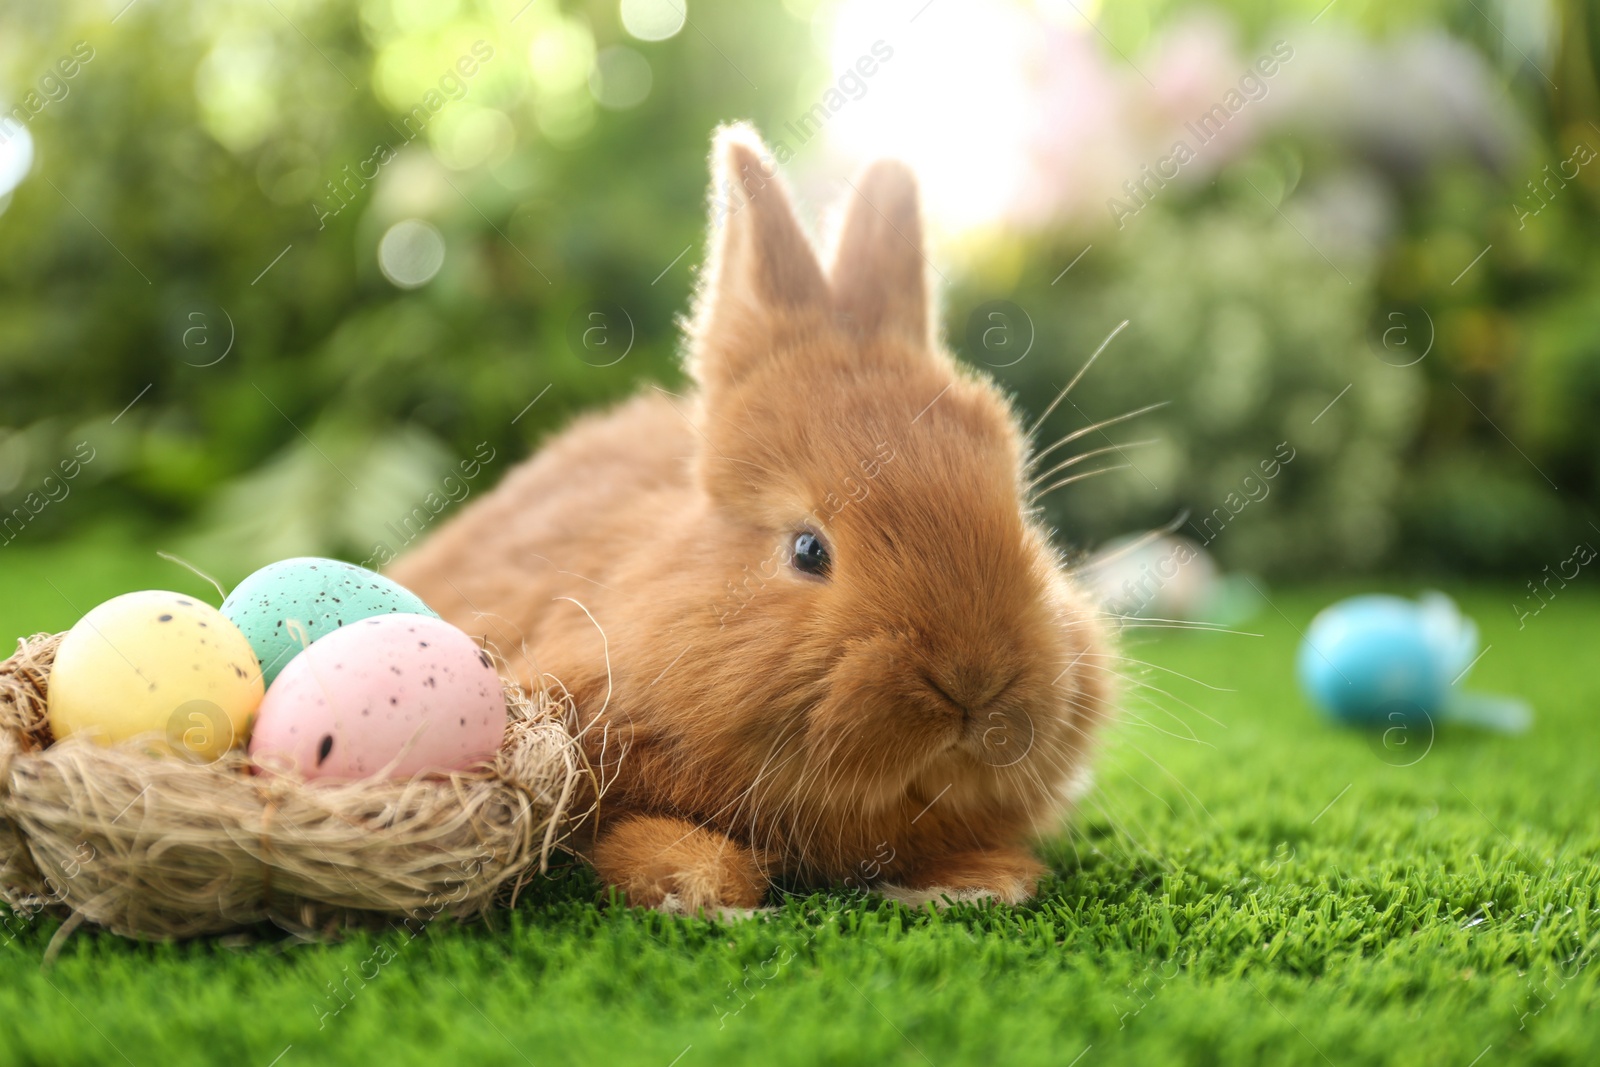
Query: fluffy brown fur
[{"x": 911, "y": 719}]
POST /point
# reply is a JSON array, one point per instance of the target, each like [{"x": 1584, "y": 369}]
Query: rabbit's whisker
[
  {"x": 1081, "y": 456},
  {"x": 1141, "y": 683},
  {"x": 1092, "y": 427},
  {"x": 1075, "y": 378},
  {"x": 1159, "y": 667},
  {"x": 1137, "y": 623},
  {"x": 1142, "y": 540},
  {"x": 1078, "y": 478},
  {"x": 1136, "y": 719}
]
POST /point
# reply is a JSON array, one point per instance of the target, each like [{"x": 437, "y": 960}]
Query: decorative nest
[{"x": 155, "y": 847}]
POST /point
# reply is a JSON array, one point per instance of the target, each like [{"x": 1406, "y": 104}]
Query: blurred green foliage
[
  {"x": 177, "y": 289},
  {"x": 1252, "y": 337}
]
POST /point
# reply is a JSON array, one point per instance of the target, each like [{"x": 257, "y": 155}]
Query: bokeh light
[
  {"x": 16, "y": 159},
  {"x": 411, "y": 253},
  {"x": 654, "y": 20},
  {"x": 621, "y": 78},
  {"x": 234, "y": 85},
  {"x": 561, "y": 54},
  {"x": 419, "y": 16},
  {"x": 468, "y": 137}
]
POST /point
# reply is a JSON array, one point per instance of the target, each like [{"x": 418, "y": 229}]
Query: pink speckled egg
[{"x": 404, "y": 690}]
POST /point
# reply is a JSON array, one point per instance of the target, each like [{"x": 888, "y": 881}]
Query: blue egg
[
  {"x": 1382, "y": 659},
  {"x": 285, "y": 606}
]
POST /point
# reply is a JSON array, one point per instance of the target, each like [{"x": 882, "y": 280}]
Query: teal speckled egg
[{"x": 285, "y": 606}]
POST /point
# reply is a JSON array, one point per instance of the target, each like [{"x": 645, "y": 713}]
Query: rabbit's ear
[
  {"x": 763, "y": 265},
  {"x": 879, "y": 277}
]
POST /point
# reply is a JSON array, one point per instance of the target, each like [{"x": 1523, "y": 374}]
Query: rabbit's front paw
[
  {"x": 1007, "y": 875},
  {"x": 675, "y": 866}
]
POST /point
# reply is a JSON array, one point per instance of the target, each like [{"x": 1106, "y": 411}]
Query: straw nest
[{"x": 155, "y": 847}]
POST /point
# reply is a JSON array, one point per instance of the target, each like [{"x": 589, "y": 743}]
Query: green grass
[{"x": 1261, "y": 888}]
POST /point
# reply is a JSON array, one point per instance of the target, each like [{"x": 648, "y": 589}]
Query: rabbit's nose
[{"x": 968, "y": 686}]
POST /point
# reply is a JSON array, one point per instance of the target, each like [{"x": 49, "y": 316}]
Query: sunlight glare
[{"x": 953, "y": 101}]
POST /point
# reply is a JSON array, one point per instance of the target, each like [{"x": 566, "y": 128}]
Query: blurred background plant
[{"x": 285, "y": 266}]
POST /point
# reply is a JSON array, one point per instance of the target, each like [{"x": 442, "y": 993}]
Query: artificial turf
[{"x": 1245, "y": 884}]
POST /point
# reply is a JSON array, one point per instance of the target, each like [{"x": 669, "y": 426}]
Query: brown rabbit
[{"x": 810, "y": 601}]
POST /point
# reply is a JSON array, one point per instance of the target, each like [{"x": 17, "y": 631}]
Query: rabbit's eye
[{"x": 810, "y": 554}]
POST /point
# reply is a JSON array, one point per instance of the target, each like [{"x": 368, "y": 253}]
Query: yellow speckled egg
[{"x": 160, "y": 663}]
